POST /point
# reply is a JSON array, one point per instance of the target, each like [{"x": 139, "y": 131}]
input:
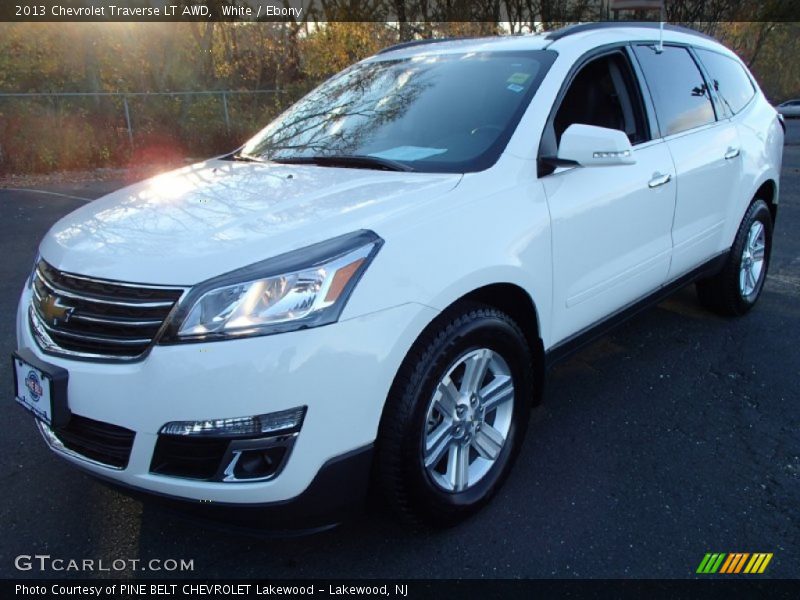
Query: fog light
[
  {"x": 258, "y": 463},
  {"x": 284, "y": 421}
]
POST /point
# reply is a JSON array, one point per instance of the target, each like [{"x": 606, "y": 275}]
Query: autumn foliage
[{"x": 47, "y": 133}]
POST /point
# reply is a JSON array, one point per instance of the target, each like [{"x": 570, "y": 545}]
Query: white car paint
[
  {"x": 582, "y": 242},
  {"x": 706, "y": 183},
  {"x": 213, "y": 217},
  {"x": 624, "y": 263}
]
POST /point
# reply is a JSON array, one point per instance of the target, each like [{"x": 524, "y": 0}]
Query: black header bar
[
  {"x": 406, "y": 11},
  {"x": 651, "y": 589}
]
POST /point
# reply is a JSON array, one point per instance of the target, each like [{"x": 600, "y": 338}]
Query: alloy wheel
[
  {"x": 468, "y": 420},
  {"x": 753, "y": 256}
]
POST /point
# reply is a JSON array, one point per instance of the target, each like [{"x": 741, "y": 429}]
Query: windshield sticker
[
  {"x": 515, "y": 88},
  {"x": 408, "y": 153},
  {"x": 518, "y": 78}
]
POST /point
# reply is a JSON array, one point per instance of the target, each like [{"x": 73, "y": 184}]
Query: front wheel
[
  {"x": 735, "y": 290},
  {"x": 455, "y": 417}
]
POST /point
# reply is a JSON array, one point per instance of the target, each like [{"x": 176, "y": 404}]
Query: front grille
[
  {"x": 97, "y": 318},
  {"x": 98, "y": 441}
]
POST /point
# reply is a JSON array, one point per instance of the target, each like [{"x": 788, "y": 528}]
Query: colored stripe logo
[{"x": 734, "y": 562}]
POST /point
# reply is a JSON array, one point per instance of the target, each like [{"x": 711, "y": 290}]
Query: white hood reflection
[{"x": 192, "y": 224}]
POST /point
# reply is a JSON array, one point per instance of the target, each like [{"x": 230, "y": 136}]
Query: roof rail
[
  {"x": 584, "y": 27},
  {"x": 412, "y": 43}
]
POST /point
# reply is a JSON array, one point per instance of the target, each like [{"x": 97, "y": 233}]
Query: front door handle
[
  {"x": 658, "y": 180},
  {"x": 731, "y": 153}
]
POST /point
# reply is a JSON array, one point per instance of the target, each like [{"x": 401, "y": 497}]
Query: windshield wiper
[
  {"x": 245, "y": 158},
  {"x": 347, "y": 161}
]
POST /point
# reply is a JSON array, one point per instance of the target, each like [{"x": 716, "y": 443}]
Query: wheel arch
[
  {"x": 517, "y": 303},
  {"x": 512, "y": 300},
  {"x": 768, "y": 192},
  {"x": 765, "y": 187}
]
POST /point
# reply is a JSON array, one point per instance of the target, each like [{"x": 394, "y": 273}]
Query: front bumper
[
  {"x": 340, "y": 372},
  {"x": 336, "y": 493}
]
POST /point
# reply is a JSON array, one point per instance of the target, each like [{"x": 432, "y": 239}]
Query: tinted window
[
  {"x": 678, "y": 88},
  {"x": 440, "y": 113},
  {"x": 728, "y": 78},
  {"x": 603, "y": 94}
]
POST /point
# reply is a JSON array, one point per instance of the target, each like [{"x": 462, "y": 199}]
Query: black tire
[
  {"x": 406, "y": 485},
  {"x": 722, "y": 293}
]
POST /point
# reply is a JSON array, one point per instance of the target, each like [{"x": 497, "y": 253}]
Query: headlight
[{"x": 305, "y": 288}]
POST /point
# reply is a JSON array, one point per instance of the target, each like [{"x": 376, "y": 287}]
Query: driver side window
[{"x": 604, "y": 94}]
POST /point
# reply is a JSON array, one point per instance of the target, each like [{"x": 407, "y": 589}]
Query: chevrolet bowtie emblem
[{"x": 54, "y": 312}]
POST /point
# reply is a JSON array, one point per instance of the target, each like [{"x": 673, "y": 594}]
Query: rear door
[
  {"x": 610, "y": 224},
  {"x": 704, "y": 147}
]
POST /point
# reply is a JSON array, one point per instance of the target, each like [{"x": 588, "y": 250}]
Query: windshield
[{"x": 439, "y": 113}]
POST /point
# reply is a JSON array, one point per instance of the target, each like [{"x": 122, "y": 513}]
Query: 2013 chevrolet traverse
[{"x": 372, "y": 288}]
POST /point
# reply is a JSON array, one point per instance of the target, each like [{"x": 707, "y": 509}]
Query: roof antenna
[{"x": 661, "y": 17}]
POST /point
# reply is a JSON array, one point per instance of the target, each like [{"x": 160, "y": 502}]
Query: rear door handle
[
  {"x": 731, "y": 153},
  {"x": 658, "y": 180}
]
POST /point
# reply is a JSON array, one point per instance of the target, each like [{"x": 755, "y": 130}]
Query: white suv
[{"x": 374, "y": 286}]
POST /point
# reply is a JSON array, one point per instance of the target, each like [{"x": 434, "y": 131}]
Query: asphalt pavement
[{"x": 676, "y": 435}]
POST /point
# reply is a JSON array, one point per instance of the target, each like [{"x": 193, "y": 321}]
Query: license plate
[{"x": 41, "y": 388}]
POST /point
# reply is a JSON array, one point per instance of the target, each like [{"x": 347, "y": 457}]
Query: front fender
[{"x": 494, "y": 227}]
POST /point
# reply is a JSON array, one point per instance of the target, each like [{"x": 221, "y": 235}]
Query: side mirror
[{"x": 590, "y": 146}]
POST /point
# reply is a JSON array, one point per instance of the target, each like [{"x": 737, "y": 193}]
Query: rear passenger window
[
  {"x": 729, "y": 79},
  {"x": 679, "y": 91}
]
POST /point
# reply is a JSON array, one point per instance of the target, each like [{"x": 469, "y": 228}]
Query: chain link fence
[{"x": 42, "y": 132}]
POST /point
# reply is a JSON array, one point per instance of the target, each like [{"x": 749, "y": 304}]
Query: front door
[{"x": 611, "y": 226}]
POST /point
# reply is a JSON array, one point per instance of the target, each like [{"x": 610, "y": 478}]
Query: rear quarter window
[{"x": 731, "y": 82}]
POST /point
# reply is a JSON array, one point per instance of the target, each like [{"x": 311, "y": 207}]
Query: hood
[{"x": 186, "y": 226}]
